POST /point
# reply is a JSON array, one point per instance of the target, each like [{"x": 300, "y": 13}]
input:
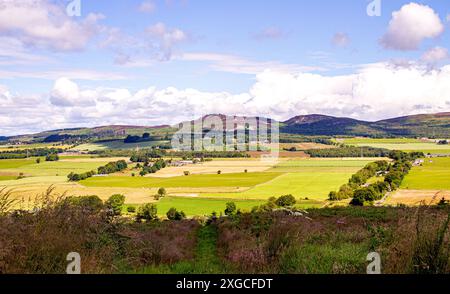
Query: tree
[
  {"x": 38, "y": 160},
  {"x": 162, "y": 192},
  {"x": 174, "y": 214},
  {"x": 147, "y": 212},
  {"x": 92, "y": 203},
  {"x": 332, "y": 196},
  {"x": 230, "y": 208},
  {"x": 286, "y": 201},
  {"x": 52, "y": 157},
  {"x": 115, "y": 203}
]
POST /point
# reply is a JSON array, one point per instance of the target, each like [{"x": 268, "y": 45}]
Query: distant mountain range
[{"x": 422, "y": 125}]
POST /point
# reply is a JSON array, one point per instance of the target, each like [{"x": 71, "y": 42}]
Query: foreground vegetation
[{"x": 273, "y": 238}]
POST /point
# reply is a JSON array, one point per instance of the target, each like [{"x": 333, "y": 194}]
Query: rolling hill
[{"x": 422, "y": 125}]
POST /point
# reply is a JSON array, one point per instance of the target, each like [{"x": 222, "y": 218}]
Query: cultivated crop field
[
  {"x": 434, "y": 174},
  {"x": 402, "y": 144},
  {"x": 114, "y": 145}
]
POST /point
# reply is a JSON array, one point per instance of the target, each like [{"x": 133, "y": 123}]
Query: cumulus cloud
[
  {"x": 340, "y": 39},
  {"x": 435, "y": 54},
  {"x": 375, "y": 91},
  {"x": 166, "y": 39},
  {"x": 42, "y": 24},
  {"x": 147, "y": 7},
  {"x": 410, "y": 25}
]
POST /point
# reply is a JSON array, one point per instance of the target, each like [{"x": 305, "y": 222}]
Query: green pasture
[
  {"x": 308, "y": 178},
  {"x": 355, "y": 141},
  {"x": 29, "y": 167},
  {"x": 191, "y": 181},
  {"x": 116, "y": 144},
  {"x": 433, "y": 175}
]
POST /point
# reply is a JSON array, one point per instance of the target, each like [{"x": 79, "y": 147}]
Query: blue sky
[{"x": 289, "y": 56}]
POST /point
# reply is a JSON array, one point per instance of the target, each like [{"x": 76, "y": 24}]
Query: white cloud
[
  {"x": 409, "y": 26},
  {"x": 166, "y": 39},
  {"x": 76, "y": 74},
  {"x": 376, "y": 91},
  {"x": 340, "y": 39},
  {"x": 270, "y": 33},
  {"x": 147, "y": 7},
  {"x": 42, "y": 24},
  {"x": 435, "y": 54},
  {"x": 237, "y": 64}
]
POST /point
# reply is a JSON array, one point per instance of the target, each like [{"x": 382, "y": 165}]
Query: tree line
[
  {"x": 349, "y": 151},
  {"x": 110, "y": 168},
  {"x": 25, "y": 153}
]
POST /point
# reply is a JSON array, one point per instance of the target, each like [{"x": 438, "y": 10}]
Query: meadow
[
  {"x": 303, "y": 178},
  {"x": 115, "y": 145},
  {"x": 434, "y": 174},
  {"x": 402, "y": 144}
]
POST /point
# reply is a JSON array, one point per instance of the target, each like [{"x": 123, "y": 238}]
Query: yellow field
[
  {"x": 211, "y": 167},
  {"x": 416, "y": 197}
]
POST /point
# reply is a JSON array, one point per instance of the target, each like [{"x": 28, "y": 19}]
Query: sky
[{"x": 84, "y": 63}]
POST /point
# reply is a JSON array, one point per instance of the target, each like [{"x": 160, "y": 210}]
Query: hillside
[{"x": 422, "y": 125}]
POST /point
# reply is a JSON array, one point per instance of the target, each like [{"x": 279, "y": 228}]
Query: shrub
[
  {"x": 115, "y": 203},
  {"x": 174, "y": 214},
  {"x": 92, "y": 203},
  {"x": 187, "y": 173},
  {"x": 147, "y": 212},
  {"x": 230, "y": 208},
  {"x": 52, "y": 157},
  {"x": 162, "y": 192},
  {"x": 286, "y": 201},
  {"x": 131, "y": 209}
]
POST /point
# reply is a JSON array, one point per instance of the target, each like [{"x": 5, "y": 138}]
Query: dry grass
[
  {"x": 416, "y": 197},
  {"x": 211, "y": 167}
]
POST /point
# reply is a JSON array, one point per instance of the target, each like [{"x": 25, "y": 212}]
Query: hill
[{"x": 422, "y": 125}]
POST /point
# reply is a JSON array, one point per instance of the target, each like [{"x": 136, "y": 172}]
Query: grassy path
[{"x": 205, "y": 261}]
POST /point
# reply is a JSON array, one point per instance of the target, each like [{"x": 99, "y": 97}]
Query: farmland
[{"x": 402, "y": 144}]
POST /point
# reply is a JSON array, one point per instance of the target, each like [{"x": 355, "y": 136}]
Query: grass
[
  {"x": 407, "y": 145},
  {"x": 15, "y": 163},
  {"x": 310, "y": 178},
  {"x": 116, "y": 144},
  {"x": 353, "y": 141},
  {"x": 61, "y": 168},
  {"x": 314, "y": 186},
  {"x": 433, "y": 175},
  {"x": 194, "y": 206},
  {"x": 205, "y": 261},
  {"x": 7, "y": 178},
  {"x": 192, "y": 181}
]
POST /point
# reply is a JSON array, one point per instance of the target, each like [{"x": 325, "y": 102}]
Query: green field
[
  {"x": 403, "y": 144},
  {"x": 310, "y": 178},
  {"x": 116, "y": 144},
  {"x": 201, "y": 206},
  {"x": 61, "y": 168},
  {"x": 354, "y": 141},
  {"x": 194, "y": 206},
  {"x": 7, "y": 178},
  {"x": 15, "y": 163},
  {"x": 434, "y": 175},
  {"x": 192, "y": 181}
]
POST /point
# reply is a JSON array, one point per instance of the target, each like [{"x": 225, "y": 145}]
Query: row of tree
[
  {"x": 394, "y": 175},
  {"x": 359, "y": 178},
  {"x": 25, "y": 153},
  {"x": 110, "y": 168},
  {"x": 151, "y": 168},
  {"x": 348, "y": 151}
]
